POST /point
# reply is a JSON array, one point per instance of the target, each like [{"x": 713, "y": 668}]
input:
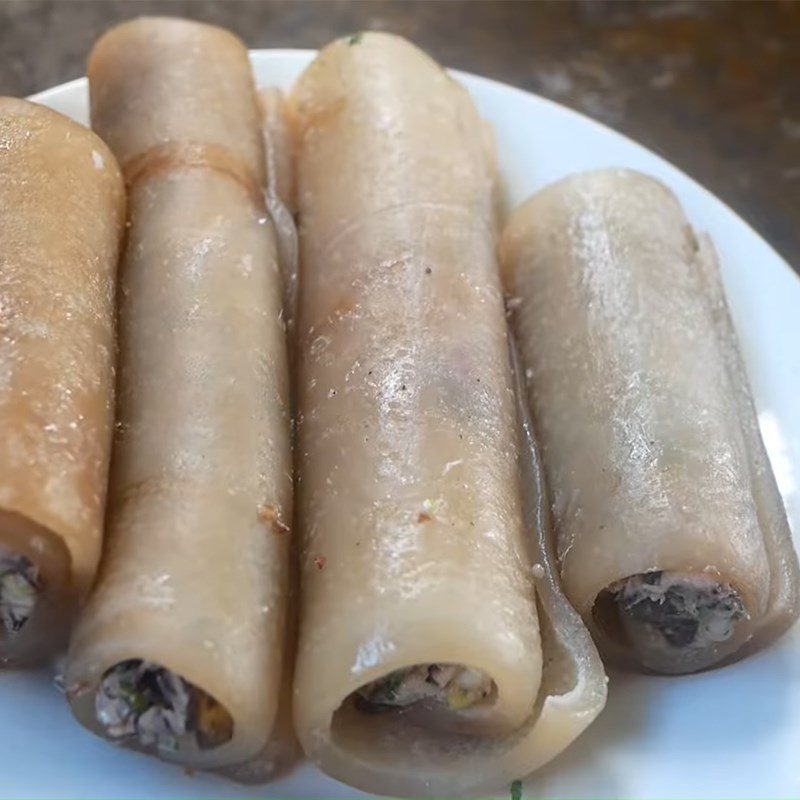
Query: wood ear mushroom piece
[
  {"x": 673, "y": 543},
  {"x": 62, "y": 211},
  {"x": 181, "y": 650},
  {"x": 424, "y": 667}
]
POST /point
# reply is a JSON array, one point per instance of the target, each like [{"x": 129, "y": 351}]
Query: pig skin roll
[
  {"x": 672, "y": 540},
  {"x": 62, "y": 212},
  {"x": 181, "y": 649},
  {"x": 423, "y": 666}
]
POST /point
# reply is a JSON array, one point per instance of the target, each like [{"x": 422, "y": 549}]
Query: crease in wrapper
[
  {"x": 63, "y": 207},
  {"x": 415, "y": 550},
  {"x": 672, "y": 538},
  {"x": 192, "y": 596},
  {"x": 282, "y": 749},
  {"x": 783, "y": 603},
  {"x": 279, "y": 193}
]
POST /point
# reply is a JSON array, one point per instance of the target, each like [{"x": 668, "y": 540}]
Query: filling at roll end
[
  {"x": 142, "y": 702},
  {"x": 670, "y": 619},
  {"x": 19, "y": 590},
  {"x": 450, "y": 686}
]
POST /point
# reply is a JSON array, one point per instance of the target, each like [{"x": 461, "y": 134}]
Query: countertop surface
[{"x": 712, "y": 86}]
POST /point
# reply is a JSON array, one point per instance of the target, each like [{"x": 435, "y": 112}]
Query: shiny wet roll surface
[
  {"x": 419, "y": 632},
  {"x": 63, "y": 211}
]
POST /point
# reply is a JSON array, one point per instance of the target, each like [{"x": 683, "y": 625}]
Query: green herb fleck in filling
[{"x": 451, "y": 685}]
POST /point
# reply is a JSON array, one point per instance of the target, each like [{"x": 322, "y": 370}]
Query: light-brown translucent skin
[
  {"x": 650, "y": 441},
  {"x": 413, "y": 544},
  {"x": 62, "y": 210},
  {"x": 162, "y": 60},
  {"x": 195, "y": 576}
]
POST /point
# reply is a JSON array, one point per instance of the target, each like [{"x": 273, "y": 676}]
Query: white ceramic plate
[{"x": 733, "y": 733}]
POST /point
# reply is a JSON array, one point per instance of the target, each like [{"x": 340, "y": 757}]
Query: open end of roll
[
  {"x": 438, "y": 716},
  {"x": 437, "y": 697},
  {"x": 20, "y": 587},
  {"x": 670, "y": 622},
  {"x": 141, "y": 703}
]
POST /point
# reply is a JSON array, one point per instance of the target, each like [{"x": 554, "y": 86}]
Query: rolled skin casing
[
  {"x": 195, "y": 577},
  {"x": 672, "y": 540},
  {"x": 62, "y": 203},
  {"x": 414, "y": 550}
]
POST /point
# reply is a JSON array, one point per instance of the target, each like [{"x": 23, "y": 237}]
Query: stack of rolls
[{"x": 516, "y": 447}]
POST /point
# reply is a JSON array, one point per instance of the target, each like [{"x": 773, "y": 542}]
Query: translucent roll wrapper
[
  {"x": 62, "y": 211},
  {"x": 672, "y": 540},
  {"x": 181, "y": 651},
  {"x": 424, "y": 667}
]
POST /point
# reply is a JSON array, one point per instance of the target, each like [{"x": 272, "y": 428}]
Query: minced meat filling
[
  {"x": 679, "y": 610},
  {"x": 143, "y": 701},
  {"x": 451, "y": 685},
  {"x": 19, "y": 590}
]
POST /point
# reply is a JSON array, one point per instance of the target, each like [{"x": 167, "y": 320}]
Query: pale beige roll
[
  {"x": 195, "y": 579},
  {"x": 62, "y": 211},
  {"x": 414, "y": 556},
  {"x": 673, "y": 543}
]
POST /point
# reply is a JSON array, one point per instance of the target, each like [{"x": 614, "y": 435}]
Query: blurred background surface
[{"x": 712, "y": 86}]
